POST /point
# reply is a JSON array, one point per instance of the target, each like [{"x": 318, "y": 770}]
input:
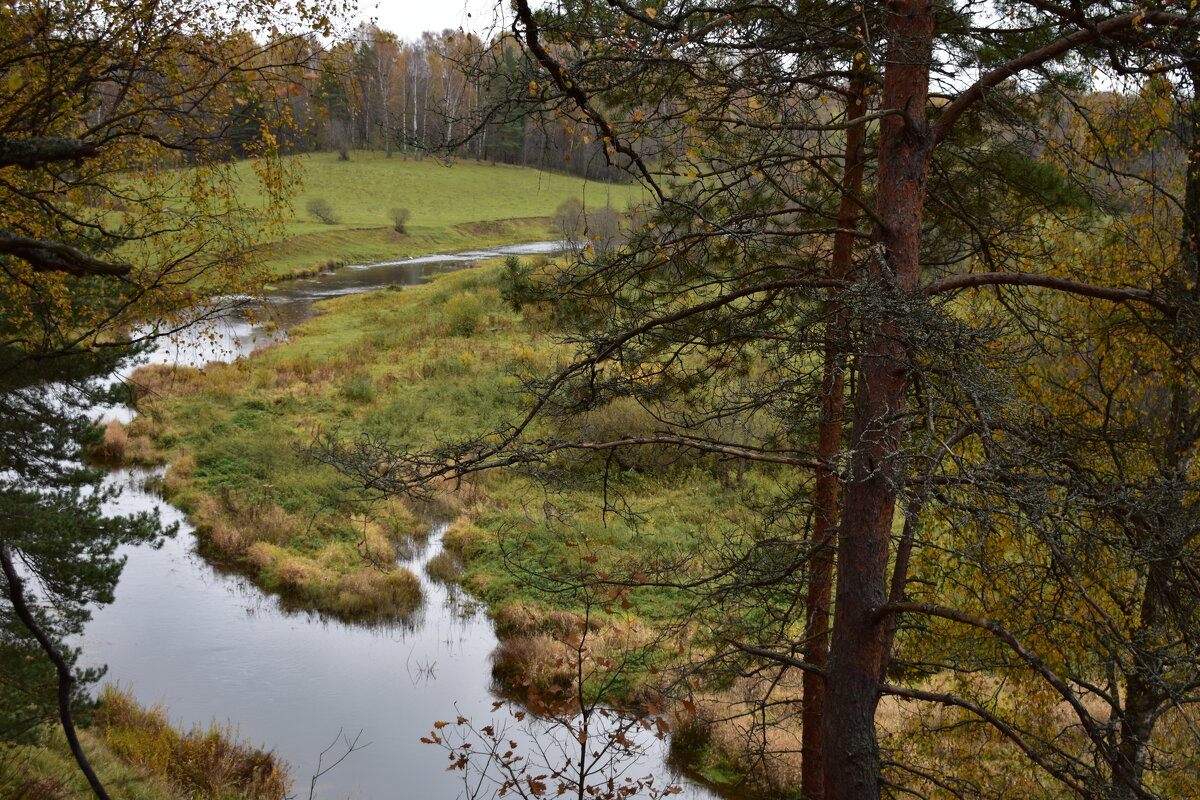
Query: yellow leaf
[{"x": 651, "y": 12}]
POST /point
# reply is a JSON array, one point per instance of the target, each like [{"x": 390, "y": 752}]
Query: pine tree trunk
[
  {"x": 857, "y": 657},
  {"x": 825, "y": 518}
]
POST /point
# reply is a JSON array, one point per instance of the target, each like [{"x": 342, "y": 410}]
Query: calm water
[{"x": 210, "y": 646}]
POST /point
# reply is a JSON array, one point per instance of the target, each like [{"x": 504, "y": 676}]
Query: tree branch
[
  {"x": 1009, "y": 732},
  {"x": 1117, "y": 295},
  {"x": 581, "y": 100},
  {"x": 1093, "y": 730},
  {"x": 1049, "y": 52},
  {"x": 47, "y": 256},
  {"x": 36, "y": 151},
  {"x": 16, "y": 595},
  {"x": 778, "y": 657}
]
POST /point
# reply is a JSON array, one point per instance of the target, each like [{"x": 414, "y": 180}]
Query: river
[{"x": 210, "y": 646}]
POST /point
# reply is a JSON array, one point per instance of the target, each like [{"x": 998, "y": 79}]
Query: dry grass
[
  {"x": 725, "y": 734},
  {"x": 158, "y": 380},
  {"x": 141, "y": 433},
  {"x": 178, "y": 474},
  {"x": 517, "y": 619},
  {"x": 337, "y": 580},
  {"x": 372, "y": 593},
  {"x": 116, "y": 442},
  {"x": 206, "y": 764},
  {"x": 528, "y": 619},
  {"x": 541, "y": 661},
  {"x": 546, "y": 655},
  {"x": 445, "y": 567},
  {"x": 376, "y": 546},
  {"x": 463, "y": 537}
]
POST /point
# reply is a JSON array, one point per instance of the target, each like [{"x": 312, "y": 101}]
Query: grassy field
[
  {"x": 462, "y": 206},
  {"x": 412, "y": 366}
]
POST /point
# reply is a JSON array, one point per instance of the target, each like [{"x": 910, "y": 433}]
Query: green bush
[
  {"x": 464, "y": 314},
  {"x": 359, "y": 388}
]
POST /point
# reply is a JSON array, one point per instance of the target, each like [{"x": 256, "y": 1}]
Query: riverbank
[{"x": 309, "y": 254}]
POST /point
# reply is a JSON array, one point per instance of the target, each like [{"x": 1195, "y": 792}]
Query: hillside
[{"x": 460, "y": 206}]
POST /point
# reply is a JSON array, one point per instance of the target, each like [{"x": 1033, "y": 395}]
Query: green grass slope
[{"x": 467, "y": 204}]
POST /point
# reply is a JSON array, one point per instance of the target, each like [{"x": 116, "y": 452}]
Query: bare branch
[{"x": 1117, "y": 295}]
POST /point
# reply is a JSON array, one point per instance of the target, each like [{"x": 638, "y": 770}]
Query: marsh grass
[
  {"x": 395, "y": 365},
  {"x": 445, "y": 567},
  {"x": 47, "y": 771},
  {"x": 113, "y": 447},
  {"x": 208, "y": 764}
]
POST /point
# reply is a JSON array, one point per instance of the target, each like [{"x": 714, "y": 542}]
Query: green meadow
[{"x": 464, "y": 205}]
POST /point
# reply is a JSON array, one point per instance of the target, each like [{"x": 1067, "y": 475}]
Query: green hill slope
[{"x": 465, "y": 205}]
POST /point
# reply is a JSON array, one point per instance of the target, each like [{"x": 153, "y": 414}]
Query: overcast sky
[{"x": 408, "y": 19}]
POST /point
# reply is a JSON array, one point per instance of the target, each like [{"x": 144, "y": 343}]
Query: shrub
[
  {"x": 464, "y": 314},
  {"x": 568, "y": 219},
  {"x": 359, "y": 388},
  {"x": 322, "y": 209},
  {"x": 399, "y": 218}
]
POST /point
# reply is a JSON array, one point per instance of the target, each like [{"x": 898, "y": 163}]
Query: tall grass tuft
[
  {"x": 209, "y": 764},
  {"x": 116, "y": 442}
]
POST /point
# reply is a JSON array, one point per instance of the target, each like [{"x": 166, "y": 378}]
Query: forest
[
  {"x": 844, "y": 438},
  {"x": 369, "y": 90}
]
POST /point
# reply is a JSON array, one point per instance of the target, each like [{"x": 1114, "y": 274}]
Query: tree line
[{"x": 371, "y": 90}]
